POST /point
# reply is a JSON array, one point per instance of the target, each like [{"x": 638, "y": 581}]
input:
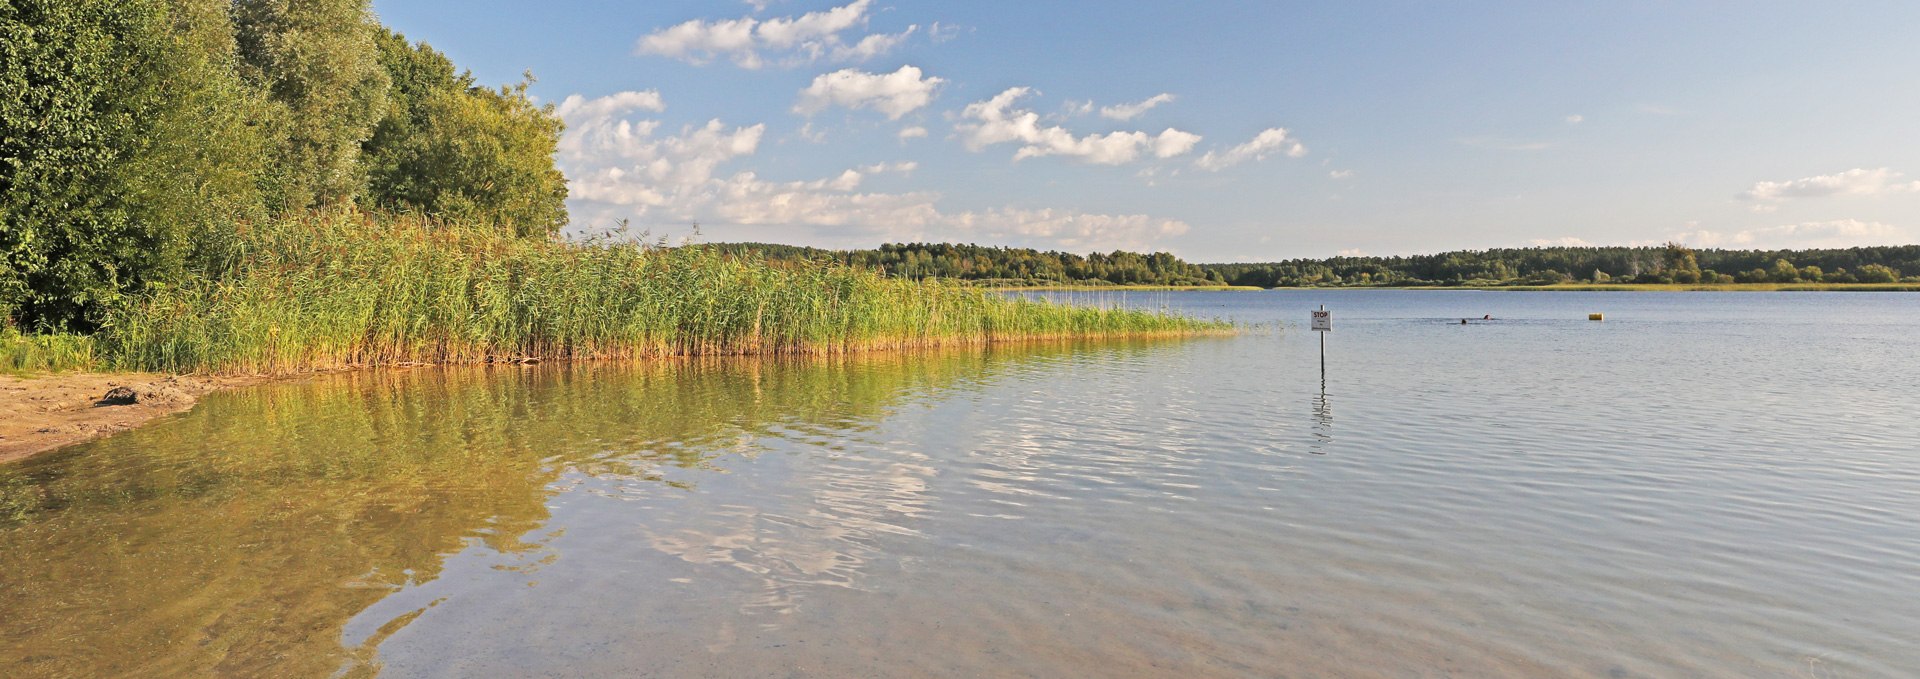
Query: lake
[{"x": 1704, "y": 484}]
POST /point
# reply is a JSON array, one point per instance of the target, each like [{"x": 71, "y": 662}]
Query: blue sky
[{"x": 1221, "y": 131}]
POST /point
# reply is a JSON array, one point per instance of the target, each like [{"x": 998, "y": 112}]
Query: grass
[
  {"x": 350, "y": 289},
  {"x": 28, "y": 354}
]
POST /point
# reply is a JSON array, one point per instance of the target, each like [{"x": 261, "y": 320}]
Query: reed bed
[
  {"x": 351, "y": 289},
  {"x": 22, "y": 354}
]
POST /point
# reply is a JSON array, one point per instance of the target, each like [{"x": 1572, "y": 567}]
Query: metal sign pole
[{"x": 1323, "y": 324}]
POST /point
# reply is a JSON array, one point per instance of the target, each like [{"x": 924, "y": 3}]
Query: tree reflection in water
[{"x": 241, "y": 537}]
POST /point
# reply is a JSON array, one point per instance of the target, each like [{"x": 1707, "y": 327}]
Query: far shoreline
[
  {"x": 1123, "y": 288},
  {"x": 1563, "y": 287}
]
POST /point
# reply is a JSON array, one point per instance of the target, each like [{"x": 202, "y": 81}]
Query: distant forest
[
  {"x": 1672, "y": 263},
  {"x": 998, "y": 265}
]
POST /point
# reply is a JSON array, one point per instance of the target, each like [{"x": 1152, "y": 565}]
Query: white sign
[{"x": 1323, "y": 321}]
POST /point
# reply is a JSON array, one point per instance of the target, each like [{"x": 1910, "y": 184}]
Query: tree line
[
  {"x": 1671, "y": 263},
  {"x": 139, "y": 137},
  {"x": 999, "y": 265}
]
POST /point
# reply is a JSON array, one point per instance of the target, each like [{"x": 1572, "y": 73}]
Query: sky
[{"x": 1219, "y": 131}]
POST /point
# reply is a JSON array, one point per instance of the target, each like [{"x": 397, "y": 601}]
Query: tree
[
  {"x": 317, "y": 62},
  {"x": 124, "y": 139},
  {"x": 204, "y": 156},
  {"x": 1783, "y": 272},
  {"x": 450, "y": 149},
  {"x": 1680, "y": 263},
  {"x": 1876, "y": 273}
]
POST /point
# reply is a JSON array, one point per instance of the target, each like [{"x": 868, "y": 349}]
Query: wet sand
[{"x": 45, "y": 412}]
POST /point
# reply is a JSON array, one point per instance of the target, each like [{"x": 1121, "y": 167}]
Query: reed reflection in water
[
  {"x": 240, "y": 538},
  {"x": 1702, "y": 485}
]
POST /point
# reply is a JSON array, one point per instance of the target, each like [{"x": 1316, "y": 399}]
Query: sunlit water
[{"x": 1701, "y": 485}]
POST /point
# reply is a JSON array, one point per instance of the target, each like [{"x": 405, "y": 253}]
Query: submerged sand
[{"x": 45, "y": 412}]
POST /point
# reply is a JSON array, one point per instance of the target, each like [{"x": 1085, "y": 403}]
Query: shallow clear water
[{"x": 1702, "y": 485}]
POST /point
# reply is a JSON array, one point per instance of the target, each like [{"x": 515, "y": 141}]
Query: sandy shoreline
[{"x": 46, "y": 412}]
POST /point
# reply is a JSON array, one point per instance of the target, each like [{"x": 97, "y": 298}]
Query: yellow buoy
[{"x": 1596, "y": 317}]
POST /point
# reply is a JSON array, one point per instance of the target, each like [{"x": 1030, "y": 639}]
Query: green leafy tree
[
  {"x": 201, "y": 163},
  {"x": 1680, "y": 263},
  {"x": 318, "y": 64},
  {"x": 70, "y": 104},
  {"x": 450, "y": 149},
  {"x": 1876, "y": 273},
  {"x": 124, "y": 144},
  {"x": 1783, "y": 271}
]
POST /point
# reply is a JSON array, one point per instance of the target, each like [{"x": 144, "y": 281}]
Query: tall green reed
[
  {"x": 22, "y": 354},
  {"x": 348, "y": 289}
]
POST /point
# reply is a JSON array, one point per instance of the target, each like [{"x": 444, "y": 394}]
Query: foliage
[
  {"x": 1875, "y": 273},
  {"x": 44, "y": 353},
  {"x": 316, "y": 61},
  {"x": 1672, "y": 263},
  {"x": 346, "y": 288},
  {"x": 124, "y": 150},
  {"x": 999, "y": 264},
  {"x": 449, "y": 149},
  {"x": 1680, "y": 264},
  {"x": 138, "y": 139}
]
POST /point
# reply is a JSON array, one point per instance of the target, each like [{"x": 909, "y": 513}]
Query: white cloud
[
  {"x": 1854, "y": 182},
  {"x": 579, "y": 107},
  {"x": 789, "y": 32},
  {"x": 1575, "y": 119},
  {"x": 1131, "y": 111},
  {"x": 996, "y": 121},
  {"x": 810, "y": 134},
  {"x": 940, "y": 33},
  {"x": 1069, "y": 229},
  {"x": 1268, "y": 142},
  {"x": 894, "y": 94},
  {"x": 793, "y": 40},
  {"x": 869, "y": 47},
  {"x": 1839, "y": 233},
  {"x": 1351, "y": 252},
  {"x": 1340, "y": 174},
  {"x": 902, "y": 167},
  {"x": 1562, "y": 242},
  {"x": 914, "y": 132},
  {"x": 619, "y": 166},
  {"x": 1172, "y": 142}
]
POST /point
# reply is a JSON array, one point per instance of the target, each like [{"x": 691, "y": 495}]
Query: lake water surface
[{"x": 1721, "y": 484}]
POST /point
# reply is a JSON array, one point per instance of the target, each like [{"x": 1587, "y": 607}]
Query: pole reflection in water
[{"x": 1322, "y": 422}]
